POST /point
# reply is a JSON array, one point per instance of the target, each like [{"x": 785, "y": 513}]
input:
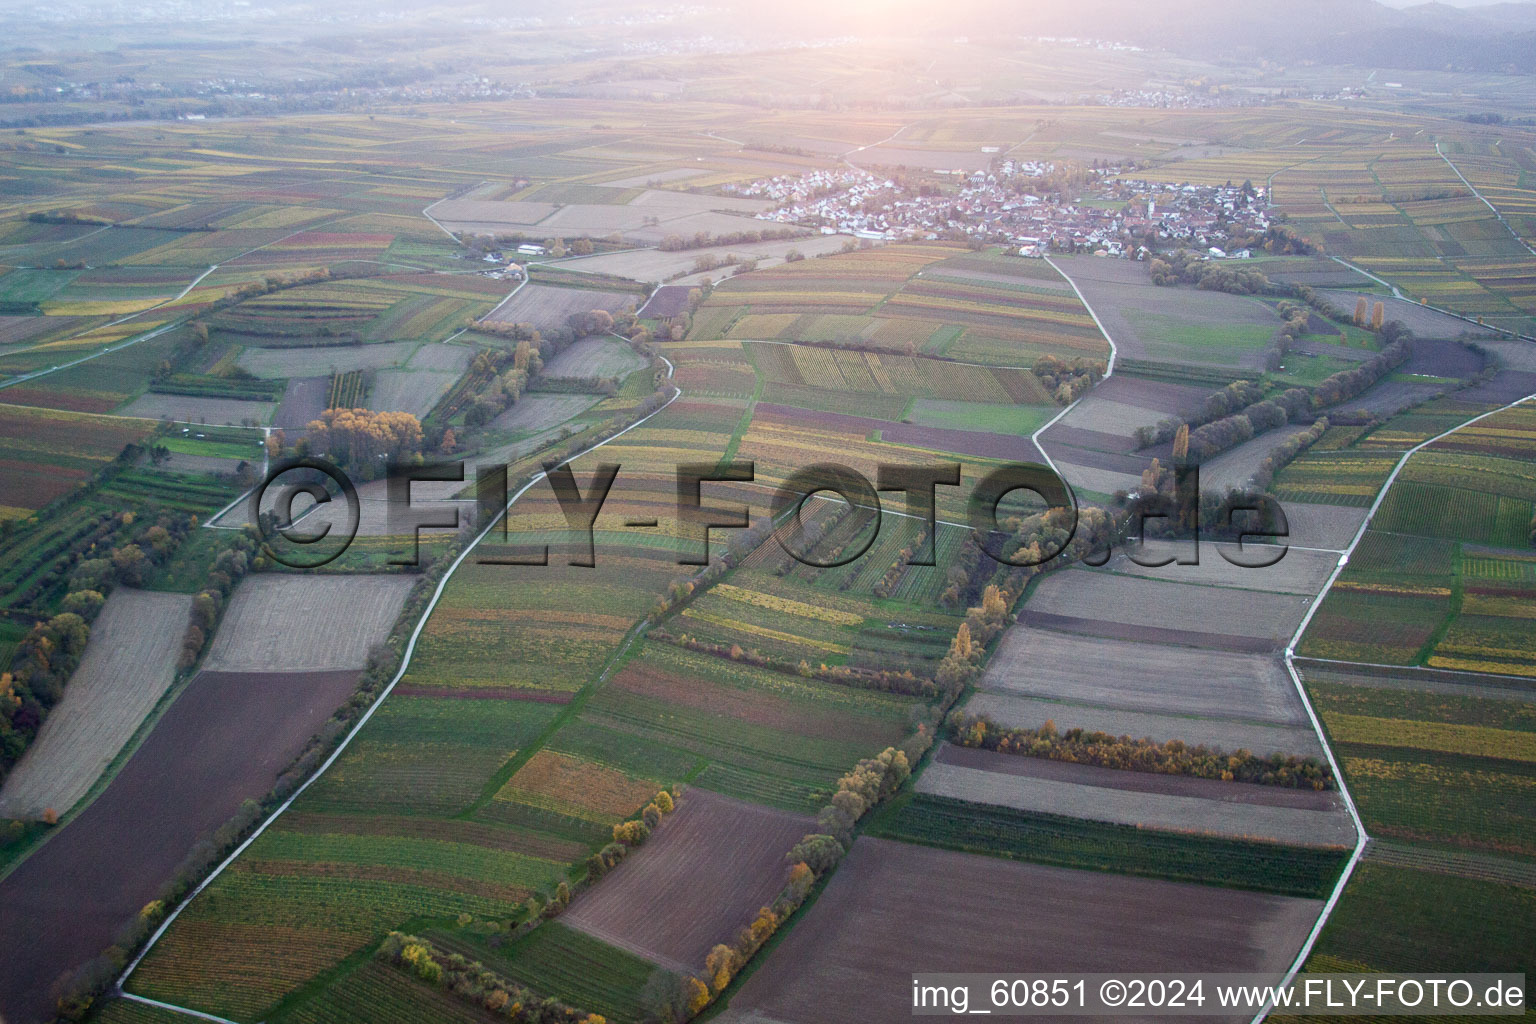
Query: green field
[
  {"x": 985, "y": 416},
  {"x": 1078, "y": 843},
  {"x": 1385, "y": 923},
  {"x": 560, "y": 961}
]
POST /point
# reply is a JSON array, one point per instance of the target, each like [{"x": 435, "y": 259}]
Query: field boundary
[
  {"x": 1483, "y": 199},
  {"x": 405, "y": 664},
  {"x": 1362, "y": 838},
  {"x": 1109, "y": 368},
  {"x": 144, "y": 335},
  {"x": 1397, "y": 294}
]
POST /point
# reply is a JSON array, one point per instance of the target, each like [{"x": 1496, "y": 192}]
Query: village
[{"x": 1037, "y": 207}]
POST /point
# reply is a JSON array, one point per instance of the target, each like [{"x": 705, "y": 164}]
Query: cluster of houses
[
  {"x": 1178, "y": 99},
  {"x": 1024, "y": 204},
  {"x": 504, "y": 264}
]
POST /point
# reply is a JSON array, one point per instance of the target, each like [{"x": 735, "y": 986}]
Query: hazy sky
[{"x": 1451, "y": 3}]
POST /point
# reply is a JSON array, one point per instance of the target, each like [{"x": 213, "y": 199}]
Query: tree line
[
  {"x": 1067, "y": 381},
  {"x": 1172, "y": 757},
  {"x": 477, "y": 984},
  {"x": 122, "y": 548},
  {"x": 673, "y": 998},
  {"x": 704, "y": 239},
  {"x": 1185, "y": 267}
]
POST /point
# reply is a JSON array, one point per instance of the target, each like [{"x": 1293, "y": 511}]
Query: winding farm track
[
  {"x": 1494, "y": 209},
  {"x": 1317, "y": 728},
  {"x": 1290, "y": 666},
  {"x": 1361, "y": 836},
  {"x": 346, "y": 741},
  {"x": 147, "y": 335}
]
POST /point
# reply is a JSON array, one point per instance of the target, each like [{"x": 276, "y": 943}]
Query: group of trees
[
  {"x": 1066, "y": 381},
  {"x": 1219, "y": 403},
  {"x": 968, "y": 648},
  {"x": 1026, "y": 538},
  {"x": 1185, "y": 267},
  {"x": 1278, "y": 240},
  {"x": 40, "y": 666},
  {"x": 627, "y": 835},
  {"x": 473, "y": 982},
  {"x": 229, "y": 567},
  {"x": 873, "y": 780},
  {"x": 1173, "y": 757},
  {"x": 1377, "y": 314},
  {"x": 1346, "y": 384},
  {"x": 502, "y": 378},
  {"x": 364, "y": 440},
  {"x": 122, "y": 548},
  {"x": 1297, "y": 318},
  {"x": 1286, "y": 450},
  {"x": 1216, "y": 437}
]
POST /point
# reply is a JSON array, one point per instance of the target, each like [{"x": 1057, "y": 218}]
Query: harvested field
[
  {"x": 1322, "y": 526},
  {"x": 1234, "y": 468},
  {"x": 1317, "y": 271},
  {"x": 427, "y": 498},
  {"x": 595, "y": 357},
  {"x": 1132, "y": 608},
  {"x": 1090, "y": 478},
  {"x": 1170, "y": 802},
  {"x": 1391, "y": 397},
  {"x": 304, "y": 400},
  {"x": 533, "y": 413},
  {"x": 654, "y": 177},
  {"x": 129, "y": 664},
  {"x": 1259, "y": 738},
  {"x": 409, "y": 391},
  {"x": 547, "y": 306},
  {"x": 189, "y": 409},
  {"x": 1297, "y": 572},
  {"x": 699, "y": 879},
  {"x": 276, "y": 363},
  {"x": 224, "y": 740},
  {"x": 1172, "y": 324},
  {"x": 853, "y": 956},
  {"x": 665, "y": 302},
  {"x": 1142, "y": 677},
  {"x": 282, "y": 623},
  {"x": 425, "y": 378},
  {"x": 441, "y": 358},
  {"x": 656, "y": 265},
  {"x": 1117, "y": 406},
  {"x": 675, "y": 212}
]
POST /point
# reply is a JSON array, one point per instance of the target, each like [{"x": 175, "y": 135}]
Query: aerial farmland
[{"x": 653, "y": 513}]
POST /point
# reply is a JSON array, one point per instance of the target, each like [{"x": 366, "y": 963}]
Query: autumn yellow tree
[
  {"x": 721, "y": 965},
  {"x": 962, "y": 647},
  {"x": 1360, "y": 310},
  {"x": 1378, "y": 316},
  {"x": 1181, "y": 444},
  {"x": 698, "y": 996},
  {"x": 364, "y": 439}
]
